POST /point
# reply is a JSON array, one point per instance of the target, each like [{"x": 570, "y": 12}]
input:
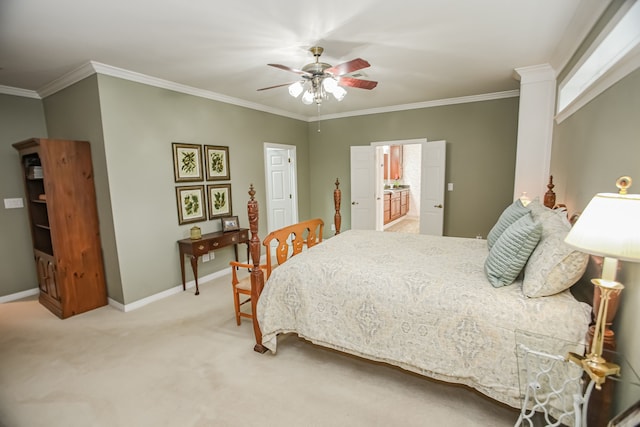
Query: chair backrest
[{"x": 291, "y": 240}]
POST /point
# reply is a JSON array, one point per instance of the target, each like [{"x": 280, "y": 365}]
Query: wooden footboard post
[
  {"x": 257, "y": 276},
  {"x": 337, "y": 197}
]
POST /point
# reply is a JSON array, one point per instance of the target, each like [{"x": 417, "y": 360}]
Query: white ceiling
[{"x": 419, "y": 50}]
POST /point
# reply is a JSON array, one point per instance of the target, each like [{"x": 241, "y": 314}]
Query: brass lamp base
[
  {"x": 593, "y": 363},
  {"x": 595, "y": 366}
]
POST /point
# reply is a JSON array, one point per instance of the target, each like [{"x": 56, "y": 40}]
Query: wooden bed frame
[{"x": 309, "y": 233}]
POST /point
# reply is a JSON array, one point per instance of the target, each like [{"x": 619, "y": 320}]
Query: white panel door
[
  {"x": 363, "y": 206},
  {"x": 432, "y": 183},
  {"x": 281, "y": 197}
]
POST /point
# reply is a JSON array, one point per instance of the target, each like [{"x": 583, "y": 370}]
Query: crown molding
[
  {"x": 25, "y": 93},
  {"x": 66, "y": 80},
  {"x": 189, "y": 90},
  {"x": 93, "y": 67},
  {"x": 534, "y": 74},
  {"x": 425, "y": 104}
]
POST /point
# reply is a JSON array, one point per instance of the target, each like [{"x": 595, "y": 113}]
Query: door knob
[
  {"x": 354, "y": 203},
  {"x": 438, "y": 206}
]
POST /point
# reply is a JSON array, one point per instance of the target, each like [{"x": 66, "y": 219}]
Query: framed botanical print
[
  {"x": 217, "y": 161},
  {"x": 191, "y": 204},
  {"x": 187, "y": 162},
  {"x": 219, "y": 200}
]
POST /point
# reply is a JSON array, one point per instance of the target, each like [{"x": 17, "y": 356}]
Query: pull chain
[{"x": 318, "y": 118}]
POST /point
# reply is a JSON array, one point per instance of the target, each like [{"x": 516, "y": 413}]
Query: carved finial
[
  {"x": 550, "y": 196},
  {"x": 252, "y": 191},
  {"x": 337, "y": 183},
  {"x": 623, "y": 183}
]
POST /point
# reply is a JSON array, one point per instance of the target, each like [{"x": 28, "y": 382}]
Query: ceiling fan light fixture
[
  {"x": 307, "y": 98},
  {"x": 339, "y": 93},
  {"x": 295, "y": 89},
  {"x": 319, "y": 79},
  {"x": 330, "y": 84}
]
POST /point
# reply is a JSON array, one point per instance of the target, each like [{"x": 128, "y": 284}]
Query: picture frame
[
  {"x": 191, "y": 204},
  {"x": 187, "y": 162},
  {"x": 230, "y": 223},
  {"x": 219, "y": 196},
  {"x": 217, "y": 162}
]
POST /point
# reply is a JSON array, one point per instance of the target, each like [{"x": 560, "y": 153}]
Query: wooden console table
[{"x": 194, "y": 249}]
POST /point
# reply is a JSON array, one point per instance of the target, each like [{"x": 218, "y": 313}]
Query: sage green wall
[
  {"x": 74, "y": 113},
  {"x": 481, "y": 150},
  {"x": 591, "y": 149},
  {"x": 139, "y": 123},
  {"x": 20, "y": 118}
]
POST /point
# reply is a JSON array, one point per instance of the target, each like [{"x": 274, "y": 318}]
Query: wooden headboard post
[
  {"x": 257, "y": 276},
  {"x": 337, "y": 197},
  {"x": 550, "y": 196}
]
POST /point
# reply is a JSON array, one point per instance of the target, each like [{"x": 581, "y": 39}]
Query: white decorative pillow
[
  {"x": 510, "y": 215},
  {"x": 511, "y": 251},
  {"x": 553, "y": 267},
  {"x": 553, "y": 221}
]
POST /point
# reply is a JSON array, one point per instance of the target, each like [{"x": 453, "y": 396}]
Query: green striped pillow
[
  {"x": 511, "y": 251},
  {"x": 510, "y": 215}
]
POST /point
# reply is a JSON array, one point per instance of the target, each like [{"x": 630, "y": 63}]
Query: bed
[{"x": 422, "y": 303}]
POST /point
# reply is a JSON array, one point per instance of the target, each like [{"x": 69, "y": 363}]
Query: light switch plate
[{"x": 13, "y": 203}]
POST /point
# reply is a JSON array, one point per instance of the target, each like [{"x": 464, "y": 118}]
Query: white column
[{"x": 535, "y": 129}]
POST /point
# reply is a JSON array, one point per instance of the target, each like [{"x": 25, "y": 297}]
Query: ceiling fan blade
[
  {"x": 293, "y": 70},
  {"x": 273, "y": 87},
  {"x": 358, "y": 83},
  {"x": 348, "y": 67}
]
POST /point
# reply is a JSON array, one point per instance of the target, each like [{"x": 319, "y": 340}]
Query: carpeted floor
[{"x": 183, "y": 362}]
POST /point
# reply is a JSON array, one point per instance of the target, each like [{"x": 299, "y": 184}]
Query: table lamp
[{"x": 608, "y": 227}]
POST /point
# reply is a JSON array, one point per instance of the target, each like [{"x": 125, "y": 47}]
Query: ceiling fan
[{"x": 319, "y": 79}]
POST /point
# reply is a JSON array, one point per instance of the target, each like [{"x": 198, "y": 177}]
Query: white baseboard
[
  {"x": 139, "y": 303},
  {"x": 19, "y": 295},
  {"x": 164, "y": 294}
]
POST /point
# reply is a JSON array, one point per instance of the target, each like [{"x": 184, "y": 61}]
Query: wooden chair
[
  {"x": 290, "y": 240},
  {"x": 241, "y": 287},
  {"x": 297, "y": 236}
]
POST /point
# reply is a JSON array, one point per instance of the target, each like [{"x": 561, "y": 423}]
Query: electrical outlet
[
  {"x": 212, "y": 255},
  {"x": 205, "y": 258},
  {"x": 333, "y": 227},
  {"x": 13, "y": 203},
  {"x": 450, "y": 186}
]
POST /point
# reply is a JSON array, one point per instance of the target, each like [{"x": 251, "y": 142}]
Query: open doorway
[
  {"x": 368, "y": 182},
  {"x": 401, "y": 175}
]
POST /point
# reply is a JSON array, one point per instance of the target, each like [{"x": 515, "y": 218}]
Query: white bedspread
[{"x": 419, "y": 302}]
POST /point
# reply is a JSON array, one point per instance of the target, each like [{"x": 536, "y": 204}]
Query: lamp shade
[{"x": 609, "y": 227}]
